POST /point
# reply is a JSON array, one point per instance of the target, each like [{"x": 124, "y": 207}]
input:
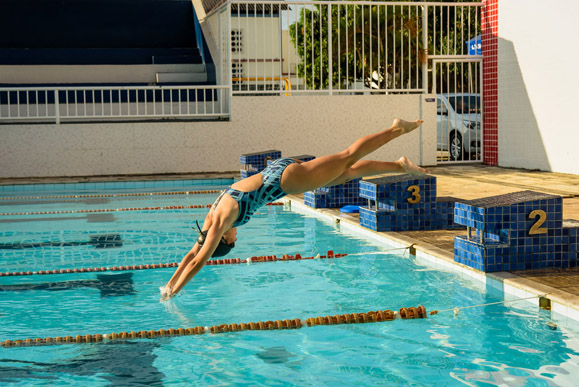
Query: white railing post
[
  {"x": 330, "y": 61},
  {"x": 218, "y": 69},
  {"x": 425, "y": 47},
  {"x": 228, "y": 81},
  {"x": 57, "y": 106}
]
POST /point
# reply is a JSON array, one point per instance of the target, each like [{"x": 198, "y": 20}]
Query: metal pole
[
  {"x": 420, "y": 98},
  {"x": 281, "y": 59},
  {"x": 330, "y": 64},
  {"x": 219, "y": 68},
  {"x": 229, "y": 68},
  {"x": 57, "y": 106},
  {"x": 425, "y": 47},
  {"x": 481, "y": 110}
]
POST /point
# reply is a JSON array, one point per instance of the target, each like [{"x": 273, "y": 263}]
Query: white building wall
[
  {"x": 259, "y": 53},
  {"x": 538, "y": 84},
  {"x": 315, "y": 125}
]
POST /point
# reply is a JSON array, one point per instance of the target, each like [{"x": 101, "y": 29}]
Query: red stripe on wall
[{"x": 489, "y": 34}]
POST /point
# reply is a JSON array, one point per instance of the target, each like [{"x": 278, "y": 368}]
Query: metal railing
[
  {"x": 56, "y": 104},
  {"x": 345, "y": 47},
  {"x": 272, "y": 47}
]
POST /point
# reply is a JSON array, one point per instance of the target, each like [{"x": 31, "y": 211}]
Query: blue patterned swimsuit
[{"x": 269, "y": 191}]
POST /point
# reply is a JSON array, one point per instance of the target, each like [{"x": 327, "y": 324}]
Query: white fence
[
  {"x": 56, "y": 104},
  {"x": 345, "y": 47}
]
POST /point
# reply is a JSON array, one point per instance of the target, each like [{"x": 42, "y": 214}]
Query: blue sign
[{"x": 474, "y": 46}]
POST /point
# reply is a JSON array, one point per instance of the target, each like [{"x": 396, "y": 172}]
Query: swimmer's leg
[
  {"x": 365, "y": 168},
  {"x": 321, "y": 171}
]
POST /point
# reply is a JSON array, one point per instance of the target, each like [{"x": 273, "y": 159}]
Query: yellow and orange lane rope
[
  {"x": 119, "y": 209},
  {"x": 212, "y": 262},
  {"x": 87, "y": 196},
  {"x": 296, "y": 323}
]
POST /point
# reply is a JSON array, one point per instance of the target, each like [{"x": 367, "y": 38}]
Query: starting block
[
  {"x": 405, "y": 203},
  {"x": 335, "y": 196},
  {"x": 517, "y": 231},
  {"x": 255, "y": 162},
  {"x": 303, "y": 158}
]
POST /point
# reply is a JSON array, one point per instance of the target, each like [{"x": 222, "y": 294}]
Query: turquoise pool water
[{"x": 515, "y": 345}]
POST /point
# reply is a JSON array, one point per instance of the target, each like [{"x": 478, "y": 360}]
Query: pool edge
[{"x": 562, "y": 303}]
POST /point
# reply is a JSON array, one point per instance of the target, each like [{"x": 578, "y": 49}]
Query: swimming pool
[{"x": 495, "y": 344}]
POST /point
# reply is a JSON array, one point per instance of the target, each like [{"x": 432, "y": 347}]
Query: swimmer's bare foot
[
  {"x": 409, "y": 167},
  {"x": 406, "y": 126}
]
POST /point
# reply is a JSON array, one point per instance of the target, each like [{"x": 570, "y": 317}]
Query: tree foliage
[{"x": 373, "y": 43}]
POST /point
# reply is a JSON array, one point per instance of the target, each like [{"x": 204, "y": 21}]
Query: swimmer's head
[{"x": 225, "y": 245}]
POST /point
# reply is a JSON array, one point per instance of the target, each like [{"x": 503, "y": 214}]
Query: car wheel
[{"x": 455, "y": 147}]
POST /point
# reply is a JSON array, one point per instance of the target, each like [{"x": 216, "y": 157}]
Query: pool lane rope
[
  {"x": 120, "y": 209},
  {"x": 85, "y": 196},
  {"x": 457, "y": 310},
  {"x": 351, "y": 318},
  {"x": 296, "y": 323},
  {"x": 212, "y": 262}
]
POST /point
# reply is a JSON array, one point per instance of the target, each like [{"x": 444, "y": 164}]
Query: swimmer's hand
[{"x": 166, "y": 293}]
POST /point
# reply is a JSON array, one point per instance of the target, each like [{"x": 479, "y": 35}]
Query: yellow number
[
  {"x": 415, "y": 194},
  {"x": 535, "y": 229}
]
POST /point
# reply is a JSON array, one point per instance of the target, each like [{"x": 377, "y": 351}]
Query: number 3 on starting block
[{"x": 415, "y": 194}]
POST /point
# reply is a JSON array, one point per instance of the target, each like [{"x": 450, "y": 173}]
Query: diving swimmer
[{"x": 284, "y": 176}]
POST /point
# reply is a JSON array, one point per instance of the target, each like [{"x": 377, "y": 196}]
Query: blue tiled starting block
[
  {"x": 517, "y": 231},
  {"x": 255, "y": 162},
  {"x": 303, "y": 158},
  {"x": 405, "y": 203},
  {"x": 334, "y": 196}
]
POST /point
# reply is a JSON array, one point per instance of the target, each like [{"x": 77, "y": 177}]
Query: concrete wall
[
  {"x": 74, "y": 74},
  {"x": 538, "y": 84},
  {"x": 295, "y": 125}
]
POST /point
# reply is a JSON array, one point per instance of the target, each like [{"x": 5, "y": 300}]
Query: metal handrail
[{"x": 112, "y": 102}]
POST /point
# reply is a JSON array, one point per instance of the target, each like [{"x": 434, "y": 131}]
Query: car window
[
  {"x": 465, "y": 104},
  {"x": 441, "y": 106}
]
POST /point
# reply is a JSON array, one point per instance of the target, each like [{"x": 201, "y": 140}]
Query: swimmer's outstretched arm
[
  {"x": 182, "y": 265},
  {"x": 190, "y": 267},
  {"x": 167, "y": 290}
]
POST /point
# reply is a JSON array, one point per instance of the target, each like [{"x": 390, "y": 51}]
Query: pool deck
[{"x": 470, "y": 181}]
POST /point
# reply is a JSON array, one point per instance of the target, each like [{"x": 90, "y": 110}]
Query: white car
[{"x": 458, "y": 124}]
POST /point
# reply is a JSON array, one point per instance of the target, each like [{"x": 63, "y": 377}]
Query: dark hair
[{"x": 223, "y": 248}]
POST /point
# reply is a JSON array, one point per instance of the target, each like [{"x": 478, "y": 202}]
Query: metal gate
[{"x": 458, "y": 87}]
